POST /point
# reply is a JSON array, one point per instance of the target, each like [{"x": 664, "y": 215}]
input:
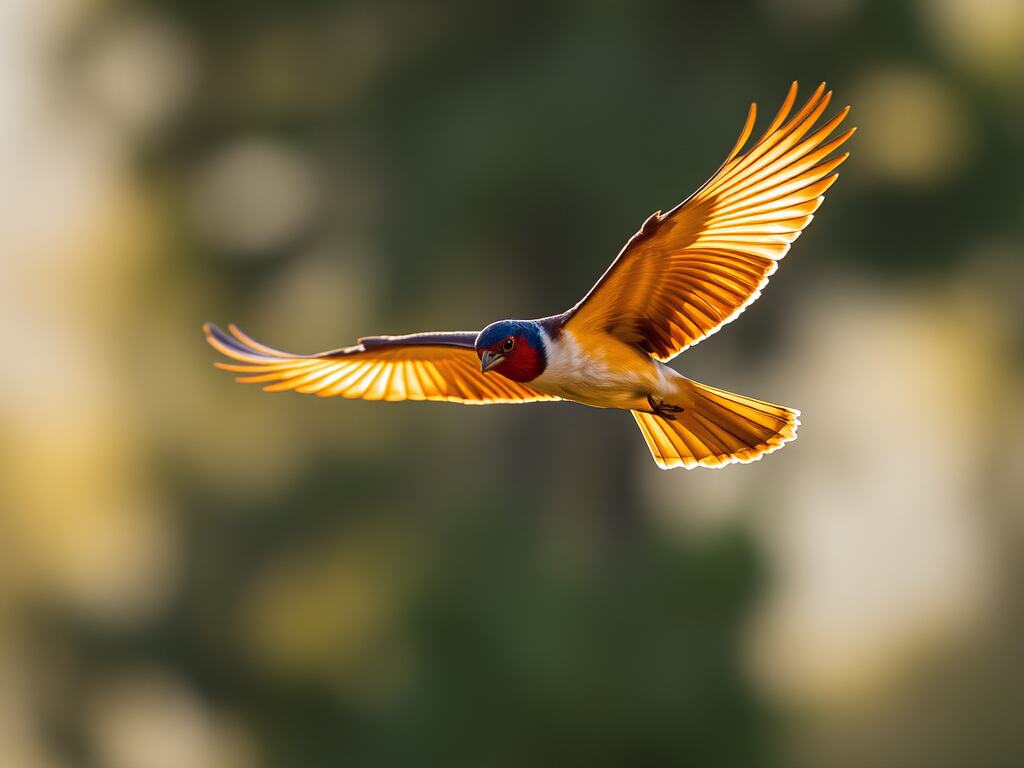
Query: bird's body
[
  {"x": 682, "y": 277},
  {"x": 602, "y": 371}
]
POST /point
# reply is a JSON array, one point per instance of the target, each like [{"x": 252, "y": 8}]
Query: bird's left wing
[
  {"x": 420, "y": 366},
  {"x": 690, "y": 271}
]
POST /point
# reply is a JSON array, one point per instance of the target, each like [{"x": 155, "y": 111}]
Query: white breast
[{"x": 587, "y": 378}]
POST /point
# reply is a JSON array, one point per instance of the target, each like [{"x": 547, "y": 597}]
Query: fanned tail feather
[{"x": 717, "y": 429}]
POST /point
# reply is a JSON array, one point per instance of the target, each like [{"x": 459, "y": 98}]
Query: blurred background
[{"x": 194, "y": 574}]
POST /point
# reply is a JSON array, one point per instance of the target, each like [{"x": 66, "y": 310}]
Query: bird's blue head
[{"x": 513, "y": 348}]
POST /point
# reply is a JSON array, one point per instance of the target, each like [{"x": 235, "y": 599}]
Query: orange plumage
[{"x": 682, "y": 277}]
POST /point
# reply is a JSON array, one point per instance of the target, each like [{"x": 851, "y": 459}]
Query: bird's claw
[{"x": 661, "y": 408}]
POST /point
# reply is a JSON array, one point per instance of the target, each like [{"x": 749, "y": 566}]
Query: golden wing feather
[
  {"x": 690, "y": 271},
  {"x": 440, "y": 366}
]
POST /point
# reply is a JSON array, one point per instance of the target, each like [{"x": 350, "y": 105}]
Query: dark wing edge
[
  {"x": 464, "y": 339},
  {"x": 241, "y": 343}
]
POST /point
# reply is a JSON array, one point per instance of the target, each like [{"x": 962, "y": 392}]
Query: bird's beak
[{"x": 489, "y": 360}]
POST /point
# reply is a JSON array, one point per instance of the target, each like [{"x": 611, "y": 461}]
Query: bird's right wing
[{"x": 421, "y": 366}]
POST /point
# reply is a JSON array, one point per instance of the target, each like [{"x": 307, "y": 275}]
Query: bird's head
[{"x": 513, "y": 348}]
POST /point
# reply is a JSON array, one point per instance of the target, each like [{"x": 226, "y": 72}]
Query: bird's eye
[{"x": 508, "y": 345}]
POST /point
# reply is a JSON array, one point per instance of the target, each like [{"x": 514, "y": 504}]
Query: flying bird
[{"x": 679, "y": 279}]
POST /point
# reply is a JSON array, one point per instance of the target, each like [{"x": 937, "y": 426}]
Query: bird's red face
[{"x": 514, "y": 354}]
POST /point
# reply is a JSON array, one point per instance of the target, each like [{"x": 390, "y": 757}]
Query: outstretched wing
[
  {"x": 690, "y": 271},
  {"x": 421, "y": 366}
]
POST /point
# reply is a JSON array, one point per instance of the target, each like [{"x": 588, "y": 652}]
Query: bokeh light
[{"x": 196, "y": 574}]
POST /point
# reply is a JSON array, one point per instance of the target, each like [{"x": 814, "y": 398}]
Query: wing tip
[{"x": 748, "y": 128}]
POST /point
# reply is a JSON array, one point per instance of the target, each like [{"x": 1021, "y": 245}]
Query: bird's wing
[
  {"x": 690, "y": 271},
  {"x": 421, "y": 366}
]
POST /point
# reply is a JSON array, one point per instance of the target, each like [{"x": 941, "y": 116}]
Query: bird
[{"x": 681, "y": 278}]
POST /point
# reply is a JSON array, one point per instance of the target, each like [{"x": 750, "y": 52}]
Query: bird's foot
[{"x": 660, "y": 408}]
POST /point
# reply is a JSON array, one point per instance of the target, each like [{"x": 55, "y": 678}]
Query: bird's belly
[{"x": 611, "y": 392}]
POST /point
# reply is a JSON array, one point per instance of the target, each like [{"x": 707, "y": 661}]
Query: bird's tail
[{"x": 716, "y": 428}]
